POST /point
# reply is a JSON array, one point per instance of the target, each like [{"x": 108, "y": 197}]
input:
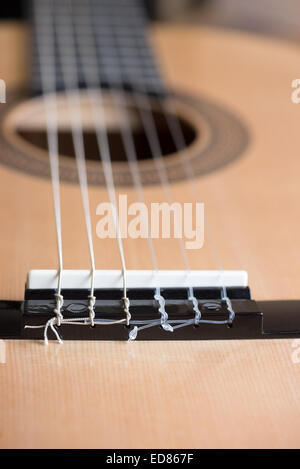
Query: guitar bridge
[{"x": 205, "y": 315}]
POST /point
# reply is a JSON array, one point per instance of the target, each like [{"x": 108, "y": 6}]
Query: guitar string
[
  {"x": 69, "y": 73},
  {"x": 145, "y": 109},
  {"x": 68, "y": 56},
  {"x": 149, "y": 126},
  {"x": 180, "y": 144},
  {"x": 45, "y": 52},
  {"x": 86, "y": 43},
  {"x": 175, "y": 127},
  {"x": 69, "y": 68},
  {"x": 154, "y": 142},
  {"x": 176, "y": 131},
  {"x": 142, "y": 101},
  {"x": 152, "y": 147}
]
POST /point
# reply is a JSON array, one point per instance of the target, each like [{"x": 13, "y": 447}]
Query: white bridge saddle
[{"x": 81, "y": 279}]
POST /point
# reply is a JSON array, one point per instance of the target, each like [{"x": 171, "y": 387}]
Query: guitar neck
[{"x": 118, "y": 30}]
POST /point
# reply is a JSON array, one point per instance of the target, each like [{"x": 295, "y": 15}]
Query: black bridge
[{"x": 253, "y": 319}]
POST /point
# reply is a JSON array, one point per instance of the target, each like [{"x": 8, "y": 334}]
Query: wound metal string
[
  {"x": 172, "y": 119},
  {"x": 180, "y": 144},
  {"x": 145, "y": 109}
]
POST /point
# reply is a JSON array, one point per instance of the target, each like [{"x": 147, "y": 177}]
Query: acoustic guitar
[{"x": 116, "y": 332}]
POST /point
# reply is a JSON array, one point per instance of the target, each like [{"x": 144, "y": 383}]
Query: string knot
[
  {"x": 91, "y": 306},
  {"x": 164, "y": 316},
  {"x": 126, "y": 305},
  {"x": 51, "y": 323},
  {"x": 230, "y": 309},
  {"x": 57, "y": 310},
  {"x": 196, "y": 310}
]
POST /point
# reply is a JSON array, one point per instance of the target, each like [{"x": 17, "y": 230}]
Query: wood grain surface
[
  {"x": 150, "y": 395},
  {"x": 206, "y": 394}
]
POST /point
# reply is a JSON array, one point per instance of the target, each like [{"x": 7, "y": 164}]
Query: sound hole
[
  {"x": 214, "y": 137},
  {"x": 38, "y": 138}
]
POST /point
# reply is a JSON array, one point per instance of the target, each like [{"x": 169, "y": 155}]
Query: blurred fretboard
[{"x": 119, "y": 29}]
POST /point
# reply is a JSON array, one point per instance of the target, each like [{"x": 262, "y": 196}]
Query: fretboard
[{"x": 119, "y": 32}]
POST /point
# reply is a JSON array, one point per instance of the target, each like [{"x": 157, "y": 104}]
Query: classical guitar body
[{"x": 232, "y": 95}]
